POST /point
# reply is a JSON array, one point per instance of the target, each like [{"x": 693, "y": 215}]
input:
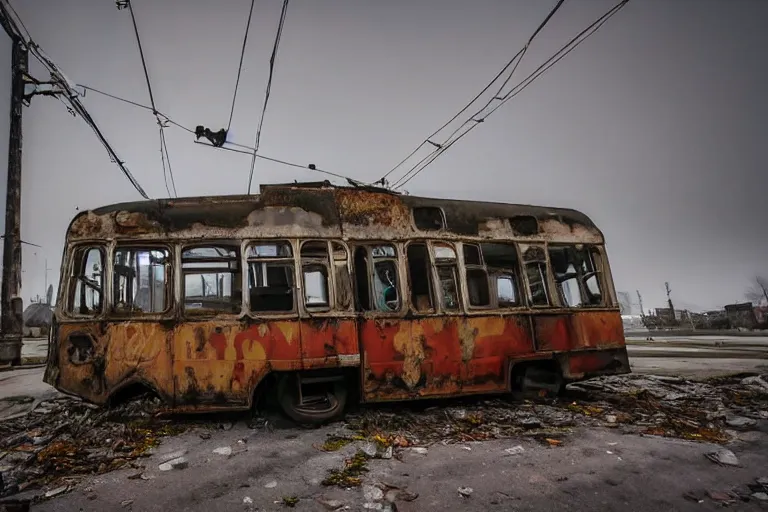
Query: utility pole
[{"x": 11, "y": 316}]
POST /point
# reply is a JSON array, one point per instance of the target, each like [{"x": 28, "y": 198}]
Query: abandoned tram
[{"x": 311, "y": 292}]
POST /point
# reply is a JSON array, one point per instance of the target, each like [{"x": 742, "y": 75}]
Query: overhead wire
[
  {"x": 240, "y": 66},
  {"x": 241, "y": 148},
  {"x": 522, "y": 85},
  {"x": 163, "y": 146},
  {"x": 516, "y": 60},
  {"x": 67, "y": 87},
  {"x": 272, "y": 60}
]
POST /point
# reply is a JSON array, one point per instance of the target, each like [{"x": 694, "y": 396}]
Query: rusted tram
[{"x": 308, "y": 292}]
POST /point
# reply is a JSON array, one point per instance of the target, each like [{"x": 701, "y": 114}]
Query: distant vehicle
[{"x": 308, "y": 292}]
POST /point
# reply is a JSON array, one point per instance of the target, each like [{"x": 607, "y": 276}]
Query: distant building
[{"x": 741, "y": 316}]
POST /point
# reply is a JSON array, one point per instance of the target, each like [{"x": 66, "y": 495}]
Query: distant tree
[{"x": 757, "y": 294}]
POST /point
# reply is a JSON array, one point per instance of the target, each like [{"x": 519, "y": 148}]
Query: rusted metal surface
[
  {"x": 438, "y": 356},
  {"x": 214, "y": 363},
  {"x": 319, "y": 210}
]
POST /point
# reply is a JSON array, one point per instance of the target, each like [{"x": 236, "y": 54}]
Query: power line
[
  {"x": 241, "y": 148},
  {"x": 269, "y": 88},
  {"x": 554, "y": 59},
  {"x": 516, "y": 59},
  {"x": 68, "y": 87},
  {"x": 249, "y": 151},
  {"x": 141, "y": 53},
  {"x": 240, "y": 66},
  {"x": 164, "y": 156}
]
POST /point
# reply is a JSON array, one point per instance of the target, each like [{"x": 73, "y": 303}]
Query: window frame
[
  {"x": 368, "y": 245},
  {"x": 482, "y": 266},
  {"x": 202, "y": 244},
  {"x": 169, "y": 279},
  {"x": 433, "y": 310},
  {"x": 246, "y": 286},
  {"x": 595, "y": 257},
  {"x": 547, "y": 278},
  {"x": 72, "y": 279},
  {"x": 329, "y": 266},
  {"x": 456, "y": 264}
]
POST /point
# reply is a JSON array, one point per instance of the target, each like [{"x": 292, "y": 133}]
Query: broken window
[
  {"x": 535, "y": 260},
  {"x": 315, "y": 266},
  {"x": 270, "y": 276},
  {"x": 428, "y": 218},
  {"x": 447, "y": 272},
  {"x": 211, "y": 280},
  {"x": 420, "y": 277},
  {"x": 141, "y": 280},
  {"x": 385, "y": 283},
  {"x": 376, "y": 275},
  {"x": 343, "y": 279},
  {"x": 87, "y": 284},
  {"x": 576, "y": 275},
  {"x": 477, "y": 276}
]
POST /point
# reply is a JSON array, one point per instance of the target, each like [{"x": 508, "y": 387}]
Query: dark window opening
[
  {"x": 472, "y": 255},
  {"x": 362, "y": 292},
  {"x": 212, "y": 280},
  {"x": 428, "y": 218},
  {"x": 477, "y": 285},
  {"x": 271, "y": 277},
  {"x": 524, "y": 225},
  {"x": 141, "y": 280},
  {"x": 85, "y": 296},
  {"x": 420, "y": 277},
  {"x": 576, "y": 275}
]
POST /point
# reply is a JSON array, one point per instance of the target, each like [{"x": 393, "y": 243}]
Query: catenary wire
[
  {"x": 559, "y": 55},
  {"x": 272, "y": 60},
  {"x": 163, "y": 145},
  {"x": 517, "y": 59},
  {"x": 240, "y": 66}
]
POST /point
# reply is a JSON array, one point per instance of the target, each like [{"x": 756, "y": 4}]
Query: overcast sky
[{"x": 655, "y": 127}]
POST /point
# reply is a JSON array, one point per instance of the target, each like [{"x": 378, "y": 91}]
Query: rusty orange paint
[{"x": 323, "y": 340}]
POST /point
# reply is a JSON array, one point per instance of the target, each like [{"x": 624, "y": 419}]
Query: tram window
[
  {"x": 477, "y": 276},
  {"x": 502, "y": 263},
  {"x": 270, "y": 276},
  {"x": 315, "y": 269},
  {"x": 447, "y": 273},
  {"x": 87, "y": 285},
  {"x": 420, "y": 277},
  {"x": 576, "y": 275},
  {"x": 212, "y": 282},
  {"x": 386, "y": 294},
  {"x": 428, "y": 218},
  {"x": 506, "y": 291},
  {"x": 141, "y": 280},
  {"x": 536, "y": 269},
  {"x": 344, "y": 296},
  {"x": 362, "y": 288}
]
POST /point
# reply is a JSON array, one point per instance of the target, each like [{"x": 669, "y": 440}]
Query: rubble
[
  {"x": 64, "y": 437},
  {"x": 642, "y": 404}
]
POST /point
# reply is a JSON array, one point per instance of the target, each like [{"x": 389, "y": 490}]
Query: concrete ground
[{"x": 594, "y": 469}]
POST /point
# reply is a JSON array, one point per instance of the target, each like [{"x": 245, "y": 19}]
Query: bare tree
[{"x": 758, "y": 292}]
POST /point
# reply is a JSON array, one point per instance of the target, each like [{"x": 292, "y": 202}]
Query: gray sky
[{"x": 655, "y": 127}]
